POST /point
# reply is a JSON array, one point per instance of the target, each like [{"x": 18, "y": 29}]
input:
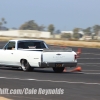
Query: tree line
[
  {"x": 89, "y": 31},
  {"x": 32, "y": 25},
  {"x": 2, "y": 23}
]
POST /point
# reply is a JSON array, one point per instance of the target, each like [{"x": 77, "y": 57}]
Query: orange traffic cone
[
  {"x": 64, "y": 70},
  {"x": 79, "y": 51},
  {"x": 77, "y": 69}
]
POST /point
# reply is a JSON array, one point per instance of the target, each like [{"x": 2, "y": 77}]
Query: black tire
[
  {"x": 58, "y": 69},
  {"x": 26, "y": 66}
]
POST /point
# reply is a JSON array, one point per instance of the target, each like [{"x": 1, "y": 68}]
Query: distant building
[{"x": 71, "y": 32}]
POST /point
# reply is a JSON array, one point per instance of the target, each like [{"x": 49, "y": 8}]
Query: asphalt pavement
[{"x": 83, "y": 85}]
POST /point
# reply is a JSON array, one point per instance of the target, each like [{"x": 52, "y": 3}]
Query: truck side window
[{"x": 10, "y": 46}]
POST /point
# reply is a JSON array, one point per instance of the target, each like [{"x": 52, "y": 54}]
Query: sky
[{"x": 64, "y": 14}]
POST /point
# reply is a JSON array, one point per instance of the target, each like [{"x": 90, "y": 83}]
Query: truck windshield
[{"x": 31, "y": 45}]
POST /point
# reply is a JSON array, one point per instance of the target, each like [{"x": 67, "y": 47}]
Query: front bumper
[{"x": 49, "y": 64}]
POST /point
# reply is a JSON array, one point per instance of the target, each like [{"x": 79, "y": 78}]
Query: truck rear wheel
[
  {"x": 26, "y": 66},
  {"x": 58, "y": 69}
]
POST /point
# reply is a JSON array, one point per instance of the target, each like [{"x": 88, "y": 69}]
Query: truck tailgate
[{"x": 58, "y": 57}]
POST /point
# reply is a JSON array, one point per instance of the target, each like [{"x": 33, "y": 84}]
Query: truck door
[{"x": 7, "y": 56}]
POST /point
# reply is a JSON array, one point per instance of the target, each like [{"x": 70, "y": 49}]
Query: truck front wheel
[
  {"x": 25, "y": 65},
  {"x": 58, "y": 69}
]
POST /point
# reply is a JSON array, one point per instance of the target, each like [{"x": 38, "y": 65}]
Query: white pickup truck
[{"x": 30, "y": 53}]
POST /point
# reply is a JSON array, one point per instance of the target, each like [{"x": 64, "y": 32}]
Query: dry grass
[
  {"x": 63, "y": 42},
  {"x": 2, "y": 98},
  {"x": 74, "y": 43},
  {"x": 5, "y": 38}
]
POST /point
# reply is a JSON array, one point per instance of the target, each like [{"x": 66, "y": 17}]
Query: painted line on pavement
[
  {"x": 68, "y": 82},
  {"x": 93, "y": 73},
  {"x": 89, "y": 63},
  {"x": 91, "y": 54},
  {"x": 92, "y": 70},
  {"x": 88, "y": 58}
]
